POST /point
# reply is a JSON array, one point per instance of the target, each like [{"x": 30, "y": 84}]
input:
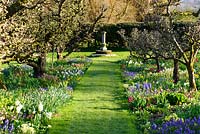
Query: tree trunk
[
  {"x": 175, "y": 71},
  {"x": 158, "y": 65},
  {"x": 190, "y": 69},
  {"x": 2, "y": 85},
  {"x": 59, "y": 53},
  {"x": 39, "y": 70}
]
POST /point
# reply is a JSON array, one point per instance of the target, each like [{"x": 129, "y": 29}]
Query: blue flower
[
  {"x": 11, "y": 127},
  {"x": 178, "y": 131},
  {"x": 6, "y": 122},
  {"x": 154, "y": 126},
  {"x": 43, "y": 89},
  {"x": 149, "y": 85},
  {"x": 70, "y": 88},
  {"x": 189, "y": 126},
  {"x": 130, "y": 74},
  {"x": 146, "y": 86},
  {"x": 137, "y": 86}
]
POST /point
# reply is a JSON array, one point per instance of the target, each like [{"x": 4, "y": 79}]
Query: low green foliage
[
  {"x": 28, "y": 104},
  {"x": 155, "y": 99},
  {"x": 176, "y": 98}
]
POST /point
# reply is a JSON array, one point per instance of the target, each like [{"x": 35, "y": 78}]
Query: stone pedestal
[{"x": 103, "y": 51}]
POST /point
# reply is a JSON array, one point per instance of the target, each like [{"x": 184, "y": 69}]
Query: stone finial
[
  {"x": 104, "y": 48},
  {"x": 104, "y": 37}
]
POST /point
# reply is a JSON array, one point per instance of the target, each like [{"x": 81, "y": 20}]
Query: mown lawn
[{"x": 98, "y": 105}]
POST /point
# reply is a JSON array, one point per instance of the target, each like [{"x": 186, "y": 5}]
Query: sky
[{"x": 190, "y": 5}]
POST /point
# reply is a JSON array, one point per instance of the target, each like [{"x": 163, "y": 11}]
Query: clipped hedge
[{"x": 114, "y": 40}]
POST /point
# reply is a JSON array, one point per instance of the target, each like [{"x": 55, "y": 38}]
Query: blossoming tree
[{"x": 31, "y": 29}]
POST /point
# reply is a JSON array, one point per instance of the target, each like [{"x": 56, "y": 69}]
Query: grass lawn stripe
[{"x": 98, "y": 106}]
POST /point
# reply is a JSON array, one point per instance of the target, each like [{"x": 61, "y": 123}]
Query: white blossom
[
  {"x": 19, "y": 107},
  {"x": 40, "y": 107},
  {"x": 17, "y": 103},
  {"x": 49, "y": 115}
]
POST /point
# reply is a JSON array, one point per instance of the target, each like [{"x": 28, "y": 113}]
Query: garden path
[{"x": 98, "y": 105}]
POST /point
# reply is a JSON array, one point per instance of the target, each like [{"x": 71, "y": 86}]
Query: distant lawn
[{"x": 121, "y": 54}]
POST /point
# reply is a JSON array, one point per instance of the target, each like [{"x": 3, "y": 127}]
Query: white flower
[
  {"x": 19, "y": 107},
  {"x": 11, "y": 107},
  {"x": 17, "y": 102},
  {"x": 24, "y": 125},
  {"x": 186, "y": 84},
  {"x": 49, "y": 115},
  {"x": 26, "y": 129},
  {"x": 40, "y": 107},
  {"x": 49, "y": 126},
  {"x": 34, "y": 112},
  {"x": 130, "y": 62}
]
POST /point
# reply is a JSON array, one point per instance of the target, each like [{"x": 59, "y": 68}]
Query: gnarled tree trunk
[
  {"x": 192, "y": 82},
  {"x": 39, "y": 69},
  {"x": 2, "y": 85},
  {"x": 59, "y": 53},
  {"x": 175, "y": 71},
  {"x": 157, "y": 64}
]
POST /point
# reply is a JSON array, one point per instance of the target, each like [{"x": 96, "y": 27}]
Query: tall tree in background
[
  {"x": 142, "y": 8},
  {"x": 117, "y": 10}
]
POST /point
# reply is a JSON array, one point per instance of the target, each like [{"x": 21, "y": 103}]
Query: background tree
[
  {"x": 144, "y": 44},
  {"x": 143, "y": 7},
  {"x": 177, "y": 42},
  {"x": 26, "y": 34},
  {"x": 186, "y": 42},
  {"x": 34, "y": 28},
  {"x": 118, "y": 11}
]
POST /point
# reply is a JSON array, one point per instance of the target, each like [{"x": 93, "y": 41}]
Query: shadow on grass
[{"x": 112, "y": 109}]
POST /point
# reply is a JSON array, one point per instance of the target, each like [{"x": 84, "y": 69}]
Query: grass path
[{"x": 98, "y": 106}]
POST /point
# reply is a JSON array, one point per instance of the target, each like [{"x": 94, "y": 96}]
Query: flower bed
[
  {"x": 29, "y": 103},
  {"x": 160, "y": 105}
]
